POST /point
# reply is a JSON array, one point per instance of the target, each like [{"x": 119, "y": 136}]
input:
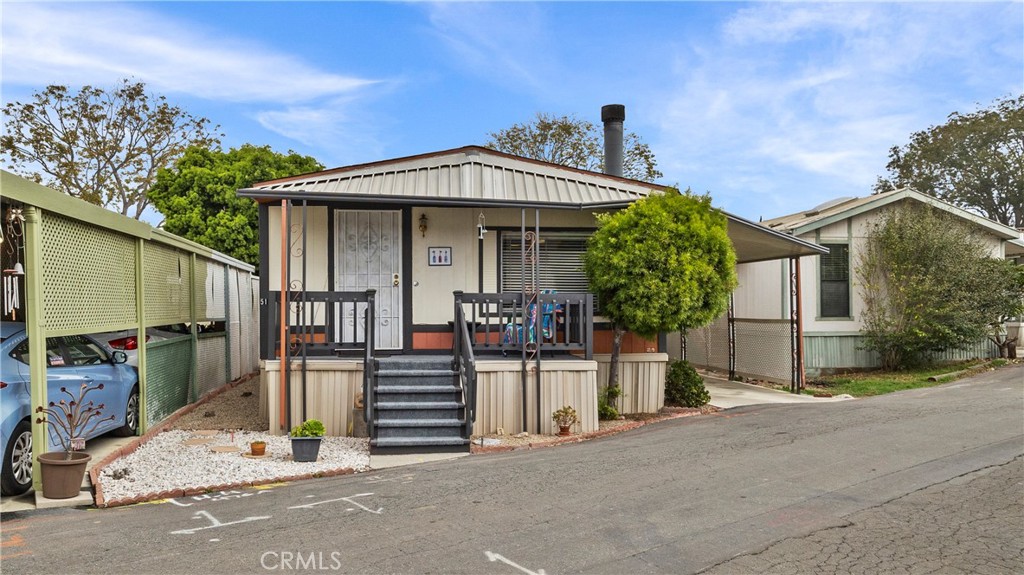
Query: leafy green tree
[
  {"x": 975, "y": 161},
  {"x": 928, "y": 284},
  {"x": 662, "y": 264},
  {"x": 576, "y": 143},
  {"x": 197, "y": 195},
  {"x": 103, "y": 146}
]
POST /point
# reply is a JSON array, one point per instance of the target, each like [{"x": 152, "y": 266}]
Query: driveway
[{"x": 727, "y": 394}]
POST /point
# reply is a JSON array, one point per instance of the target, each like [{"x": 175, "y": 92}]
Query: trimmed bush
[{"x": 684, "y": 386}]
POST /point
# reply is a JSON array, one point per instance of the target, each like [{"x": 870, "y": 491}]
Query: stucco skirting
[{"x": 641, "y": 377}]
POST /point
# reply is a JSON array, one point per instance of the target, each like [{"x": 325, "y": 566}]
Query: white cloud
[
  {"x": 820, "y": 92},
  {"x": 100, "y": 44}
]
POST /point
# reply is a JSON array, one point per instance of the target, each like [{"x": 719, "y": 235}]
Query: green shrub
[
  {"x": 606, "y": 397},
  {"x": 684, "y": 386},
  {"x": 310, "y": 428}
]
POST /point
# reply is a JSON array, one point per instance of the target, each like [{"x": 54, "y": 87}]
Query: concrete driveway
[{"x": 726, "y": 394}]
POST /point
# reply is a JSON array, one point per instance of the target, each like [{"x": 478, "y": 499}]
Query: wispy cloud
[
  {"x": 99, "y": 44},
  {"x": 822, "y": 91},
  {"x": 506, "y": 43}
]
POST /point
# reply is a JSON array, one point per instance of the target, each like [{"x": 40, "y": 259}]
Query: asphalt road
[{"x": 876, "y": 485}]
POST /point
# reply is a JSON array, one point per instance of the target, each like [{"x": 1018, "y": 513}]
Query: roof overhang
[{"x": 756, "y": 243}]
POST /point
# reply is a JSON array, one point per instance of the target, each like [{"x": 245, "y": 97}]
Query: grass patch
[{"x": 881, "y": 382}]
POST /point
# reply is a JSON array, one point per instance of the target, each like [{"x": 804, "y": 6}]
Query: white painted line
[
  {"x": 215, "y": 523},
  {"x": 495, "y": 557},
  {"x": 345, "y": 499}
]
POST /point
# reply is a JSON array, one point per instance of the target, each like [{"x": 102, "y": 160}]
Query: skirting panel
[
  {"x": 500, "y": 396},
  {"x": 331, "y": 390},
  {"x": 641, "y": 377}
]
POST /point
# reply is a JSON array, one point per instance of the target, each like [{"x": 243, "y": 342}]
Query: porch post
[
  {"x": 285, "y": 399},
  {"x": 522, "y": 302},
  {"x": 799, "y": 332},
  {"x": 35, "y": 329}
]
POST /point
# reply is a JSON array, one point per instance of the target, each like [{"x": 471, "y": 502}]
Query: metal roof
[
  {"x": 829, "y": 213},
  {"x": 481, "y": 177},
  {"x": 465, "y": 176}
]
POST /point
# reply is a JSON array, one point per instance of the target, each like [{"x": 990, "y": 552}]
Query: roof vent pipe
[{"x": 613, "y": 115}]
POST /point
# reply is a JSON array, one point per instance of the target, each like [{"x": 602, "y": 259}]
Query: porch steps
[{"x": 418, "y": 407}]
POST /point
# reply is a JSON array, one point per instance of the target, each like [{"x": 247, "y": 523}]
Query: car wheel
[
  {"x": 131, "y": 416},
  {"x": 16, "y": 477}
]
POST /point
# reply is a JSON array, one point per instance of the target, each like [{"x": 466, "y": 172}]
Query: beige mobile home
[{"x": 401, "y": 276}]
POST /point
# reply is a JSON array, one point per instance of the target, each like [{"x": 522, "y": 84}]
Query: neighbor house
[
  {"x": 473, "y": 259},
  {"x": 831, "y": 298}
]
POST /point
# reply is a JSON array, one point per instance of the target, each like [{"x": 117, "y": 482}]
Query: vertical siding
[
  {"x": 641, "y": 377},
  {"x": 499, "y": 395},
  {"x": 331, "y": 386},
  {"x": 842, "y": 351}
]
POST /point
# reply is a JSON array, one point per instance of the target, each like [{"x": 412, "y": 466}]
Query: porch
[{"x": 487, "y": 383}]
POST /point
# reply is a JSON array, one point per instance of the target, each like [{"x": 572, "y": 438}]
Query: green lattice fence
[
  {"x": 168, "y": 371},
  {"x": 88, "y": 277}
]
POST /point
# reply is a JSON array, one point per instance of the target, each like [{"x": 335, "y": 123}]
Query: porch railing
[
  {"x": 465, "y": 365},
  {"x": 561, "y": 322},
  {"x": 325, "y": 323}
]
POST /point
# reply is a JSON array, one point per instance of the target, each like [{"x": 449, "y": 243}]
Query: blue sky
[{"x": 771, "y": 107}]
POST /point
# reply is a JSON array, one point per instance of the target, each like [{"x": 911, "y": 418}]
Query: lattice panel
[
  {"x": 211, "y": 368},
  {"x": 88, "y": 277},
  {"x": 167, "y": 285},
  {"x": 709, "y": 346},
  {"x": 764, "y": 349},
  {"x": 168, "y": 370}
]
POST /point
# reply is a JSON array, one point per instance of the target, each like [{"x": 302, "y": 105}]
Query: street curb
[{"x": 486, "y": 450}]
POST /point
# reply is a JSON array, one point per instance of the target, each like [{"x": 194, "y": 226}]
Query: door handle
[{"x": 394, "y": 280}]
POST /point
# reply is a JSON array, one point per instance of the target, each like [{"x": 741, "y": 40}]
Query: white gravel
[{"x": 165, "y": 463}]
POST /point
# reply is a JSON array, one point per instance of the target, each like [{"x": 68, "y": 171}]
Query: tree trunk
[{"x": 613, "y": 366}]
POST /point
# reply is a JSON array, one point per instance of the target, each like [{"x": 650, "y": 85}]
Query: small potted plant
[
  {"x": 70, "y": 421},
  {"x": 306, "y": 440},
  {"x": 258, "y": 448},
  {"x": 565, "y": 418}
]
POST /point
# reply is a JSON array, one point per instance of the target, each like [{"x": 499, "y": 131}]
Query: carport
[{"x": 73, "y": 268}]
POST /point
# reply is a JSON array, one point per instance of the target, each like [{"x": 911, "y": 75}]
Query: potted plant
[
  {"x": 70, "y": 421},
  {"x": 565, "y": 418},
  {"x": 258, "y": 448},
  {"x": 306, "y": 440}
]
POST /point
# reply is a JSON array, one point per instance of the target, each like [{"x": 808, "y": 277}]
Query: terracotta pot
[
  {"x": 62, "y": 477},
  {"x": 258, "y": 448},
  {"x": 564, "y": 430}
]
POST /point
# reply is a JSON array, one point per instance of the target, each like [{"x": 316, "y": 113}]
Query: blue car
[{"x": 70, "y": 361}]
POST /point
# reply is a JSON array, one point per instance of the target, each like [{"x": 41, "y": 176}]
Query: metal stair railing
[
  {"x": 465, "y": 364},
  {"x": 369, "y": 366}
]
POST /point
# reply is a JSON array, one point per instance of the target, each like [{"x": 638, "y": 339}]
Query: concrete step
[{"x": 418, "y": 441}]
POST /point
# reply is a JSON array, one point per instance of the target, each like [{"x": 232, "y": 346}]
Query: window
[
  {"x": 560, "y": 266},
  {"x": 83, "y": 351},
  {"x": 54, "y": 356},
  {"x": 834, "y": 280}
]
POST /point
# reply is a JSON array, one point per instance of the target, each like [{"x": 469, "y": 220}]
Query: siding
[
  {"x": 332, "y": 386},
  {"x": 827, "y": 352},
  {"x": 499, "y": 395},
  {"x": 641, "y": 377}
]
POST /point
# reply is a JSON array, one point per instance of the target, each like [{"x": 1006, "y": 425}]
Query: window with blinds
[
  {"x": 561, "y": 261},
  {"x": 834, "y": 281}
]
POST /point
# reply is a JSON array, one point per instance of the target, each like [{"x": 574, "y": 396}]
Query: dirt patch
[{"x": 236, "y": 408}]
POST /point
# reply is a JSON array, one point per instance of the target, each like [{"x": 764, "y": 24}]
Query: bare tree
[{"x": 103, "y": 146}]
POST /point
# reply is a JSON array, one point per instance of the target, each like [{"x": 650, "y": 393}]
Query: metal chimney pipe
[{"x": 613, "y": 115}]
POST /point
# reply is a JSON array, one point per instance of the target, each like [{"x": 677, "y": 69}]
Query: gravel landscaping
[{"x": 183, "y": 458}]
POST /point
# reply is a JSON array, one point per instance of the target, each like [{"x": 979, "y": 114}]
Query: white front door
[{"x": 368, "y": 255}]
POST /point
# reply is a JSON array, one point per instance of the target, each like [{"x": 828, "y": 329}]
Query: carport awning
[{"x": 756, "y": 243}]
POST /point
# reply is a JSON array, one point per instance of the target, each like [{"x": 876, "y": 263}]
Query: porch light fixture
[
  {"x": 423, "y": 224},
  {"x": 17, "y": 270},
  {"x": 481, "y": 227}
]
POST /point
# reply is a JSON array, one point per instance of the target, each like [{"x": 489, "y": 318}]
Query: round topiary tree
[{"x": 662, "y": 264}]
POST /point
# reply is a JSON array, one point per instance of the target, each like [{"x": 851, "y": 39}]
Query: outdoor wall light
[
  {"x": 481, "y": 227},
  {"x": 423, "y": 224}
]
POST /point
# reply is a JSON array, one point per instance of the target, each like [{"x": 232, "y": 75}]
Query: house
[
  {"x": 473, "y": 259},
  {"x": 830, "y": 296}
]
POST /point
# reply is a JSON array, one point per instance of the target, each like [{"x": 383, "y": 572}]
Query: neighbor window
[{"x": 834, "y": 280}]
